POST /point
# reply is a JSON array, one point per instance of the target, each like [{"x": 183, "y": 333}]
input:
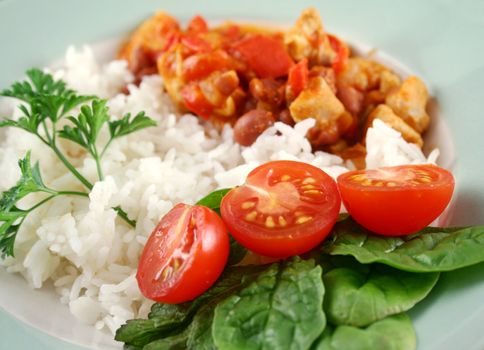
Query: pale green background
[{"x": 442, "y": 41}]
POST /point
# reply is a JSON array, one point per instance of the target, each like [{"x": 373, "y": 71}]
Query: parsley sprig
[{"x": 45, "y": 102}]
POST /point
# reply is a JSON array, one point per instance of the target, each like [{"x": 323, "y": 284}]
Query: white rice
[{"x": 81, "y": 246}]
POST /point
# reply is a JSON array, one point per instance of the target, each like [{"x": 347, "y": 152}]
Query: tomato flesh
[
  {"x": 265, "y": 55},
  {"x": 184, "y": 255},
  {"x": 342, "y": 53},
  {"x": 298, "y": 77},
  {"x": 397, "y": 200},
  {"x": 284, "y": 208},
  {"x": 196, "y": 102}
]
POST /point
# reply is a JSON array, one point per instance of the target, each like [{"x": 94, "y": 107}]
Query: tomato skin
[
  {"x": 342, "y": 53},
  {"x": 205, "y": 262},
  {"x": 401, "y": 209},
  {"x": 200, "y": 66},
  {"x": 291, "y": 238},
  {"x": 298, "y": 77},
  {"x": 265, "y": 55},
  {"x": 197, "y": 25},
  {"x": 196, "y": 102}
]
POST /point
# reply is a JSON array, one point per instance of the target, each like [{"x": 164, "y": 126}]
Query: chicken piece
[
  {"x": 308, "y": 40},
  {"x": 386, "y": 114},
  {"x": 170, "y": 66},
  {"x": 362, "y": 74},
  {"x": 355, "y": 153},
  {"x": 317, "y": 101},
  {"x": 388, "y": 82},
  {"x": 153, "y": 36},
  {"x": 326, "y": 73},
  {"x": 409, "y": 102}
]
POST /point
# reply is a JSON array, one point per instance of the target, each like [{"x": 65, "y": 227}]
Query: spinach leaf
[
  {"x": 163, "y": 321},
  {"x": 281, "y": 309},
  {"x": 237, "y": 252},
  {"x": 200, "y": 336},
  {"x": 358, "y": 298},
  {"x": 430, "y": 250},
  {"x": 174, "y": 342},
  {"x": 213, "y": 200},
  {"x": 392, "y": 333},
  {"x": 167, "y": 323}
]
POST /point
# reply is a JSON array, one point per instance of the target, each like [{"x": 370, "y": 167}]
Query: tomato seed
[
  {"x": 247, "y": 205},
  {"x": 312, "y": 192},
  {"x": 270, "y": 222},
  {"x": 308, "y": 187},
  {"x": 282, "y": 221},
  {"x": 309, "y": 180},
  {"x": 251, "y": 216},
  {"x": 285, "y": 177},
  {"x": 303, "y": 219}
]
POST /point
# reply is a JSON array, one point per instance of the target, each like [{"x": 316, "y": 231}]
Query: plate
[{"x": 440, "y": 41}]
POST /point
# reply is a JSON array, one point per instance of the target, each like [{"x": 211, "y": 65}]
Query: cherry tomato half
[
  {"x": 398, "y": 200},
  {"x": 184, "y": 255},
  {"x": 284, "y": 208}
]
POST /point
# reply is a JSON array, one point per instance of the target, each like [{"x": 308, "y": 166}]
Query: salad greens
[
  {"x": 281, "y": 309},
  {"x": 45, "y": 103},
  {"x": 363, "y": 294},
  {"x": 391, "y": 333},
  {"x": 433, "y": 249},
  {"x": 350, "y": 293}
]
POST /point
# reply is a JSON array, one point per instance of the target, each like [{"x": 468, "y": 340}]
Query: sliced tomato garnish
[
  {"x": 342, "y": 53},
  {"x": 265, "y": 54},
  {"x": 184, "y": 255},
  {"x": 284, "y": 208},
  {"x": 396, "y": 200}
]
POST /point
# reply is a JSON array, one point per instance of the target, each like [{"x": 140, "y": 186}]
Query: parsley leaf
[
  {"x": 87, "y": 125},
  {"x": 128, "y": 125},
  {"x": 45, "y": 101}
]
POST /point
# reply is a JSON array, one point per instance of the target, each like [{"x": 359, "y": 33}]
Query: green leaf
[
  {"x": 392, "y": 333},
  {"x": 281, "y": 309},
  {"x": 214, "y": 199},
  {"x": 165, "y": 320},
  {"x": 8, "y": 122},
  {"x": 237, "y": 252},
  {"x": 356, "y": 297},
  {"x": 8, "y": 232},
  {"x": 45, "y": 98},
  {"x": 30, "y": 182},
  {"x": 12, "y": 217},
  {"x": 128, "y": 125},
  {"x": 174, "y": 342},
  {"x": 431, "y": 250},
  {"x": 200, "y": 332},
  {"x": 87, "y": 126}
]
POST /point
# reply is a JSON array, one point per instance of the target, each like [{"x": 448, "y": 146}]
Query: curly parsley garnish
[{"x": 45, "y": 102}]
